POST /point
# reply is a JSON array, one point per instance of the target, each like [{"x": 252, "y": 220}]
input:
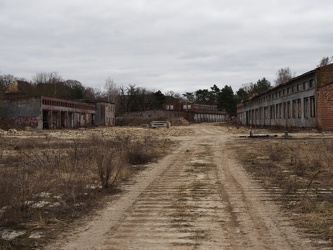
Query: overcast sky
[{"x": 174, "y": 45}]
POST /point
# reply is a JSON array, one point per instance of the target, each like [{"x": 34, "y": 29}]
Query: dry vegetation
[
  {"x": 299, "y": 173},
  {"x": 49, "y": 179}
]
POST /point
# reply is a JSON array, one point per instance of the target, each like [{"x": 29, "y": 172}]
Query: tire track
[
  {"x": 177, "y": 210},
  {"x": 198, "y": 197},
  {"x": 256, "y": 221},
  {"x": 93, "y": 234}
]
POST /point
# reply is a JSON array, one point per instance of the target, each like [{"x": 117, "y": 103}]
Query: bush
[{"x": 67, "y": 172}]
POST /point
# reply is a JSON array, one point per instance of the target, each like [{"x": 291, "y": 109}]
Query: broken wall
[{"x": 24, "y": 112}]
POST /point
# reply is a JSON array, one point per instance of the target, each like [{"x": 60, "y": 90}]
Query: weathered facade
[
  {"x": 53, "y": 113},
  {"x": 194, "y": 112},
  {"x": 306, "y": 101}
]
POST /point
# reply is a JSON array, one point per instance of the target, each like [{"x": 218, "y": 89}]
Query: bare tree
[
  {"x": 122, "y": 106},
  {"x": 134, "y": 99},
  {"x": 47, "y": 83},
  {"x": 325, "y": 61},
  {"x": 173, "y": 95},
  {"x": 284, "y": 75},
  {"x": 46, "y": 77},
  {"x": 89, "y": 93},
  {"x": 7, "y": 79},
  {"x": 112, "y": 91}
]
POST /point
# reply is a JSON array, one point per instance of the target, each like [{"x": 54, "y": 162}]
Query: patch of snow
[
  {"x": 8, "y": 234},
  {"x": 43, "y": 195},
  {"x": 40, "y": 204},
  {"x": 36, "y": 235}
]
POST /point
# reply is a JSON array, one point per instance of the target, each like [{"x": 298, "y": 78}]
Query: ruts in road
[{"x": 197, "y": 197}]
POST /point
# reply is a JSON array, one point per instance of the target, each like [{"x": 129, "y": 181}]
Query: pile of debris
[{"x": 180, "y": 121}]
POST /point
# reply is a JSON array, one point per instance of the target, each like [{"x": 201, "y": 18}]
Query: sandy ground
[{"x": 197, "y": 197}]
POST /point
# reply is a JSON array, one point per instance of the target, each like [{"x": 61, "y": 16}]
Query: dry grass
[
  {"x": 301, "y": 171},
  {"x": 48, "y": 183}
]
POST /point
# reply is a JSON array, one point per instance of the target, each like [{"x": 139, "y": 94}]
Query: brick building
[
  {"x": 306, "y": 101},
  {"x": 54, "y": 113},
  {"x": 190, "y": 111},
  {"x": 195, "y": 112}
]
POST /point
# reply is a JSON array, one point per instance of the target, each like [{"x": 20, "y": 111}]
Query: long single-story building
[
  {"x": 195, "y": 112},
  {"x": 306, "y": 101},
  {"x": 190, "y": 111},
  {"x": 54, "y": 113}
]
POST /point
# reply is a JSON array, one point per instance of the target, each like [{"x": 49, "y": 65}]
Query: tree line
[
  {"x": 128, "y": 98},
  {"x": 131, "y": 98}
]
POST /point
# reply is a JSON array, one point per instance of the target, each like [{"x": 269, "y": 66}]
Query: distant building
[
  {"x": 195, "y": 112},
  {"x": 190, "y": 111},
  {"x": 54, "y": 113},
  {"x": 306, "y": 101}
]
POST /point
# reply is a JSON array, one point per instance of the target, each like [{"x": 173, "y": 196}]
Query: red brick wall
[
  {"x": 325, "y": 107},
  {"x": 324, "y": 75}
]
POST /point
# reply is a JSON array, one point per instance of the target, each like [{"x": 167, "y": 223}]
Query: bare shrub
[
  {"x": 19, "y": 186},
  {"x": 113, "y": 154},
  {"x": 77, "y": 172},
  {"x": 108, "y": 158},
  {"x": 300, "y": 160},
  {"x": 9, "y": 209},
  {"x": 275, "y": 151},
  {"x": 141, "y": 152},
  {"x": 48, "y": 180},
  {"x": 290, "y": 185},
  {"x": 61, "y": 172},
  {"x": 108, "y": 165},
  {"x": 304, "y": 175},
  {"x": 300, "y": 166}
]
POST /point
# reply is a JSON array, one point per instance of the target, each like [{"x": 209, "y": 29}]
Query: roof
[{"x": 282, "y": 85}]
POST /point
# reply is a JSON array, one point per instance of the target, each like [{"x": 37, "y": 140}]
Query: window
[
  {"x": 293, "y": 89},
  {"x": 298, "y": 87},
  {"x": 304, "y": 85},
  {"x": 288, "y": 110},
  {"x": 277, "y": 111},
  {"x": 171, "y": 107},
  {"x": 311, "y": 83},
  {"x": 294, "y": 107},
  {"x": 280, "y": 110},
  {"x": 288, "y": 91},
  {"x": 299, "y": 108},
  {"x": 265, "y": 112},
  {"x": 306, "y": 107},
  {"x": 312, "y": 106},
  {"x": 284, "y": 115},
  {"x": 272, "y": 111}
]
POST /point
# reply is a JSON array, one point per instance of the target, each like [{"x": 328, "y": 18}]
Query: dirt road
[{"x": 198, "y": 197}]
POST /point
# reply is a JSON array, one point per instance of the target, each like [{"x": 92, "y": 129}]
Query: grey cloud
[{"x": 167, "y": 45}]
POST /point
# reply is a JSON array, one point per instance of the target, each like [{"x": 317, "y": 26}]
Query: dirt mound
[{"x": 180, "y": 121}]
